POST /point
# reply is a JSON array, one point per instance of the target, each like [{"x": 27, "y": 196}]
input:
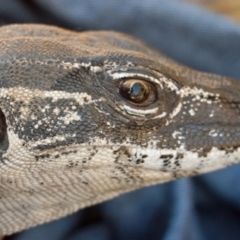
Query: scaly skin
[{"x": 73, "y": 133}]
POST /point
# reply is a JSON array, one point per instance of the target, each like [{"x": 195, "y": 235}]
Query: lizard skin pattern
[{"x": 87, "y": 116}]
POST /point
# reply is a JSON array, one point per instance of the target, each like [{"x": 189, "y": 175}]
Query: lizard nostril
[
  {"x": 3, "y": 134},
  {"x": 3, "y": 126}
]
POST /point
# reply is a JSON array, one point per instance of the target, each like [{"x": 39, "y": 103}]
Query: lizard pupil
[{"x": 135, "y": 90}]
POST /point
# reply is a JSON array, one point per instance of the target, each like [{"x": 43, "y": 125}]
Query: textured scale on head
[{"x": 87, "y": 116}]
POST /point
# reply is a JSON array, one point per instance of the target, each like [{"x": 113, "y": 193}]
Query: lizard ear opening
[{"x": 3, "y": 135}]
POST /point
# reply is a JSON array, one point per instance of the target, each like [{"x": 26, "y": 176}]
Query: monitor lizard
[{"x": 86, "y": 116}]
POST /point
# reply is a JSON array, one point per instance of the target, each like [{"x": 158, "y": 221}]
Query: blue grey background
[{"x": 200, "y": 208}]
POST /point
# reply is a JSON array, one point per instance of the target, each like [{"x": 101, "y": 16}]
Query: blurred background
[
  {"x": 203, "y": 34},
  {"x": 230, "y": 8}
]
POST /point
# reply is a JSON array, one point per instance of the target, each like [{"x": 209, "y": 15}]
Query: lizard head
[{"x": 88, "y": 116}]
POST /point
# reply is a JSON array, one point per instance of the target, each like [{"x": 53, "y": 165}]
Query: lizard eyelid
[{"x": 142, "y": 94}]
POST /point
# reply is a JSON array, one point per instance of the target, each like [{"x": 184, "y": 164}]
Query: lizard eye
[{"x": 136, "y": 91}]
